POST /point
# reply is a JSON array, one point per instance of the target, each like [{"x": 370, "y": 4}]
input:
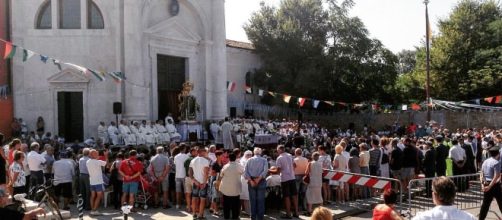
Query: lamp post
[{"x": 427, "y": 46}]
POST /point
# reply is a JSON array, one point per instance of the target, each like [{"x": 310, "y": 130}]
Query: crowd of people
[{"x": 233, "y": 175}]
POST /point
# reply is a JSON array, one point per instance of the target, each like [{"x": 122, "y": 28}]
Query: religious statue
[{"x": 188, "y": 104}]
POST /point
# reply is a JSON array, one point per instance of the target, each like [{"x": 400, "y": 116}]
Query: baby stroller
[{"x": 146, "y": 190}]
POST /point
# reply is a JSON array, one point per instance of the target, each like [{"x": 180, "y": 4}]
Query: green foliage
[
  {"x": 466, "y": 57},
  {"x": 313, "y": 48}
]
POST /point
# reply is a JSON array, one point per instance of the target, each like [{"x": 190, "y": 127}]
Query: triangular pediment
[
  {"x": 68, "y": 76},
  {"x": 172, "y": 29}
]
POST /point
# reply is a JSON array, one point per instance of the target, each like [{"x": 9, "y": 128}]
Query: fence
[
  {"x": 375, "y": 182},
  {"x": 468, "y": 193}
]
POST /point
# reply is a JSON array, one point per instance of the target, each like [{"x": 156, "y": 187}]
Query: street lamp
[{"x": 427, "y": 46}]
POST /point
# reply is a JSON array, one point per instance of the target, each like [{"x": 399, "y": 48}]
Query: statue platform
[{"x": 187, "y": 127}]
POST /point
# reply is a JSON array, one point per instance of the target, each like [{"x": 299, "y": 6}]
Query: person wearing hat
[{"x": 490, "y": 181}]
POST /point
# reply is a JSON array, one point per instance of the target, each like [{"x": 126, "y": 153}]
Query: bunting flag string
[
  {"x": 315, "y": 103},
  {"x": 301, "y": 101},
  {"x": 260, "y": 92},
  {"x": 10, "y": 52},
  {"x": 230, "y": 86}
]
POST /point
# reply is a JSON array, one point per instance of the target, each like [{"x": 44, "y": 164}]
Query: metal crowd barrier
[
  {"x": 367, "y": 181},
  {"x": 468, "y": 193}
]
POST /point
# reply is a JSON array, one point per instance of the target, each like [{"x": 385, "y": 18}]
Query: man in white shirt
[
  {"x": 94, "y": 166},
  {"x": 458, "y": 156},
  {"x": 199, "y": 172},
  {"x": 443, "y": 196},
  {"x": 179, "y": 162},
  {"x": 35, "y": 163}
]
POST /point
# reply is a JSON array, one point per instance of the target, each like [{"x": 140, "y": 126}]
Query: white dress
[
  {"x": 314, "y": 188},
  {"x": 244, "y": 183}
]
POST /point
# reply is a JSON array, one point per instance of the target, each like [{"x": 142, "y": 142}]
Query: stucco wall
[{"x": 239, "y": 62}]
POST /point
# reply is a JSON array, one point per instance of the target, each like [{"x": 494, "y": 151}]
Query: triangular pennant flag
[
  {"x": 44, "y": 58},
  {"x": 10, "y": 50},
  {"x": 83, "y": 70},
  {"x": 27, "y": 54},
  {"x": 116, "y": 76},
  {"x": 260, "y": 92},
  {"x": 330, "y": 103},
  {"x": 272, "y": 93},
  {"x": 342, "y": 103},
  {"x": 97, "y": 75},
  {"x": 301, "y": 101},
  {"x": 374, "y": 107},
  {"x": 477, "y": 101},
  {"x": 249, "y": 90},
  {"x": 404, "y": 107},
  {"x": 230, "y": 86},
  {"x": 498, "y": 99},
  {"x": 315, "y": 103},
  {"x": 287, "y": 98},
  {"x": 415, "y": 107},
  {"x": 489, "y": 99},
  {"x": 57, "y": 63}
]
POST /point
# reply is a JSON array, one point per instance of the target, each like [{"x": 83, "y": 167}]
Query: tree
[
  {"x": 313, "y": 48},
  {"x": 407, "y": 61},
  {"x": 467, "y": 54}
]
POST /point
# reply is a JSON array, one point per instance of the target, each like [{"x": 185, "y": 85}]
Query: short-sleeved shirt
[
  {"x": 490, "y": 167},
  {"x": 35, "y": 161},
  {"x": 130, "y": 167},
  {"x": 179, "y": 163},
  {"x": 285, "y": 163},
  {"x": 457, "y": 153},
  {"x": 158, "y": 163},
  {"x": 82, "y": 165},
  {"x": 216, "y": 167},
  {"x": 49, "y": 161},
  {"x": 375, "y": 155},
  {"x": 63, "y": 170},
  {"x": 364, "y": 158},
  {"x": 443, "y": 212},
  {"x": 186, "y": 165},
  {"x": 410, "y": 155},
  {"x": 198, "y": 165},
  {"x": 95, "y": 171},
  {"x": 21, "y": 178},
  {"x": 325, "y": 160},
  {"x": 397, "y": 159}
]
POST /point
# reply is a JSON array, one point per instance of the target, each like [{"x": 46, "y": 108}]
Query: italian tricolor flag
[{"x": 230, "y": 86}]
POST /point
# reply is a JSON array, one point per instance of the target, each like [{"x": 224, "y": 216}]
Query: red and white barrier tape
[{"x": 372, "y": 182}]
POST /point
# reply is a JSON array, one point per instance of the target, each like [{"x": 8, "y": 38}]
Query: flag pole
[{"x": 427, "y": 46}]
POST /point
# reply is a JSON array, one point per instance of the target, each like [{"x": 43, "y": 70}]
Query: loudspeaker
[
  {"x": 117, "y": 108},
  {"x": 233, "y": 112}
]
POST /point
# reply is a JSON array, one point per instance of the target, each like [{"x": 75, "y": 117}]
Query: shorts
[
  {"x": 130, "y": 187},
  {"x": 98, "y": 188},
  {"x": 180, "y": 184},
  {"x": 397, "y": 174},
  {"x": 63, "y": 189},
  {"x": 164, "y": 185},
  {"x": 408, "y": 173},
  {"x": 289, "y": 188},
  {"x": 198, "y": 192},
  {"x": 188, "y": 185}
]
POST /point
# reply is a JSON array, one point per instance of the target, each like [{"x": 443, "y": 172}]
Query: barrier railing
[
  {"x": 468, "y": 193},
  {"x": 376, "y": 182}
]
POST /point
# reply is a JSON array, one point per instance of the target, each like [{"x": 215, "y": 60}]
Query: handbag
[{"x": 306, "y": 179}]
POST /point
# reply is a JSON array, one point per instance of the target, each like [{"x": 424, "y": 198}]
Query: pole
[{"x": 427, "y": 46}]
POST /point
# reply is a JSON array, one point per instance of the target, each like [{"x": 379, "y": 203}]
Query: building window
[
  {"x": 94, "y": 16},
  {"x": 69, "y": 14},
  {"x": 44, "y": 18}
]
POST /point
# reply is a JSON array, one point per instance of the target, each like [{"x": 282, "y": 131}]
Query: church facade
[{"x": 157, "y": 44}]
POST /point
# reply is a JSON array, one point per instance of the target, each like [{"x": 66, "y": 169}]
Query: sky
[{"x": 398, "y": 24}]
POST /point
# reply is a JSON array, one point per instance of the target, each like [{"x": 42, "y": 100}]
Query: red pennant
[
  {"x": 415, "y": 107},
  {"x": 8, "y": 50},
  {"x": 489, "y": 99}
]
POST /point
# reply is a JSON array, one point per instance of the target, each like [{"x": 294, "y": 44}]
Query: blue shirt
[
  {"x": 489, "y": 168},
  {"x": 255, "y": 167},
  {"x": 82, "y": 165}
]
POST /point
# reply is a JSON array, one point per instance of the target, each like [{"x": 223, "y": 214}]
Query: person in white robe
[
  {"x": 226, "y": 131},
  {"x": 135, "y": 129},
  {"x": 164, "y": 137},
  {"x": 102, "y": 133},
  {"x": 171, "y": 129},
  {"x": 113, "y": 133},
  {"x": 156, "y": 134},
  {"x": 127, "y": 135},
  {"x": 169, "y": 119},
  {"x": 148, "y": 133}
]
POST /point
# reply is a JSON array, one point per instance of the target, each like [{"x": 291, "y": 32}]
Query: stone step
[{"x": 30, "y": 205}]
